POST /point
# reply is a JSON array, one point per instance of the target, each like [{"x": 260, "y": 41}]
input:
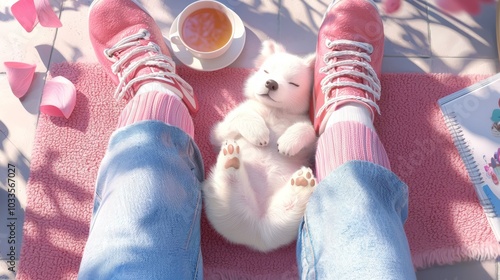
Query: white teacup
[{"x": 205, "y": 28}]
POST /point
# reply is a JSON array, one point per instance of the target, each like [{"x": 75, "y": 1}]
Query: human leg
[
  {"x": 347, "y": 86},
  {"x": 353, "y": 225},
  {"x": 130, "y": 47},
  {"x": 147, "y": 205}
]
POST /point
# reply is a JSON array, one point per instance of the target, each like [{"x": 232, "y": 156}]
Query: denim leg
[
  {"x": 147, "y": 207},
  {"x": 353, "y": 226}
]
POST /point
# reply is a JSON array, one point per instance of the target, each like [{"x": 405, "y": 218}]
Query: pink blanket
[{"x": 445, "y": 224}]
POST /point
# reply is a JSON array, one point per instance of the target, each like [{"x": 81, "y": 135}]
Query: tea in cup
[{"x": 205, "y": 28}]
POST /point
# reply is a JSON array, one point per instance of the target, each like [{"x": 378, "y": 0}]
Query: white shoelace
[
  {"x": 329, "y": 82},
  {"x": 158, "y": 60}
]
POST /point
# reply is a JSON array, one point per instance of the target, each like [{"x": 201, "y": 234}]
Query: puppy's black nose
[{"x": 271, "y": 84}]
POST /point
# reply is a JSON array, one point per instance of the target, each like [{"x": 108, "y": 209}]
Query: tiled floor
[{"x": 419, "y": 38}]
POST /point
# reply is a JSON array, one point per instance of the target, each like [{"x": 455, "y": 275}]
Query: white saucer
[{"x": 216, "y": 63}]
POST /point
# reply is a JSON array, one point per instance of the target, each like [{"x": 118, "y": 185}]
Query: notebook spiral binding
[{"x": 464, "y": 150}]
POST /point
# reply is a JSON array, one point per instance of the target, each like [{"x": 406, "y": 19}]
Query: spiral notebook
[{"x": 472, "y": 116}]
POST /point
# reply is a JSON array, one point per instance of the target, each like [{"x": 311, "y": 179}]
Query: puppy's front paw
[
  {"x": 295, "y": 138},
  {"x": 289, "y": 145}
]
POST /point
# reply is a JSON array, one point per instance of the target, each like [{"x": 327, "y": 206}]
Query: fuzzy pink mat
[{"x": 445, "y": 224}]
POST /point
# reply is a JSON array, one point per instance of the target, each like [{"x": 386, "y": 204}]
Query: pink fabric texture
[
  {"x": 157, "y": 106},
  {"x": 346, "y": 141},
  {"x": 445, "y": 223}
]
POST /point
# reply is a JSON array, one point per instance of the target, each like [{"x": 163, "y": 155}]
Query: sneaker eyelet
[
  {"x": 108, "y": 56},
  {"x": 326, "y": 59},
  {"x": 154, "y": 46},
  {"x": 328, "y": 43},
  {"x": 146, "y": 34},
  {"x": 370, "y": 49}
]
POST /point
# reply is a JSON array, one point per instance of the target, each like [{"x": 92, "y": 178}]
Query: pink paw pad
[
  {"x": 303, "y": 178},
  {"x": 231, "y": 151}
]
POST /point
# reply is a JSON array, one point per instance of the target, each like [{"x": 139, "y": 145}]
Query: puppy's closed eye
[{"x": 294, "y": 84}]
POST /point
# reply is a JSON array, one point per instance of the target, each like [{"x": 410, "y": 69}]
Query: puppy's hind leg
[
  {"x": 229, "y": 155},
  {"x": 227, "y": 173},
  {"x": 228, "y": 196},
  {"x": 230, "y": 179},
  {"x": 302, "y": 183},
  {"x": 287, "y": 207},
  {"x": 223, "y": 182}
]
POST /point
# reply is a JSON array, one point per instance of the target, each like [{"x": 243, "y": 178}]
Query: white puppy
[{"x": 257, "y": 191}]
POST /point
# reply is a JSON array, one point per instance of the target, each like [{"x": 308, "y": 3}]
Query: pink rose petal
[
  {"x": 391, "y": 6},
  {"x": 29, "y": 12},
  {"x": 25, "y": 13},
  {"x": 20, "y": 75},
  {"x": 46, "y": 15},
  {"x": 472, "y": 7},
  {"x": 59, "y": 97},
  {"x": 449, "y": 5}
]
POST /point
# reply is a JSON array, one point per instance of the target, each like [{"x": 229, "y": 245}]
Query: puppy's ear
[
  {"x": 310, "y": 60},
  {"x": 269, "y": 47}
]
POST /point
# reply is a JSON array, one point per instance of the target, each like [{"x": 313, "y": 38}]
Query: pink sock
[
  {"x": 156, "y": 105},
  {"x": 346, "y": 141}
]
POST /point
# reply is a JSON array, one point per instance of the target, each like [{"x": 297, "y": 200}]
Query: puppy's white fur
[{"x": 257, "y": 191}]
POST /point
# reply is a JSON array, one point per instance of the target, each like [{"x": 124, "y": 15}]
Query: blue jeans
[
  {"x": 147, "y": 207},
  {"x": 353, "y": 226},
  {"x": 146, "y": 218}
]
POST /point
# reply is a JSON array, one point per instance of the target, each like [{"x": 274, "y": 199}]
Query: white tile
[
  {"x": 14, "y": 173},
  {"x": 407, "y": 30},
  {"x": 463, "y": 35},
  {"x": 20, "y": 116},
  {"x": 5, "y": 274},
  {"x": 497, "y": 275},
  {"x": 406, "y": 65},
  {"x": 261, "y": 22},
  {"x": 467, "y": 270},
  {"x": 11, "y": 157},
  {"x": 18, "y": 45},
  {"x": 72, "y": 43},
  {"x": 299, "y": 22},
  {"x": 463, "y": 66}
]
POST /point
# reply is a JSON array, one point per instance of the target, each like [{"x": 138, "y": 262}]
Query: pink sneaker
[
  {"x": 349, "y": 58},
  {"x": 129, "y": 45}
]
